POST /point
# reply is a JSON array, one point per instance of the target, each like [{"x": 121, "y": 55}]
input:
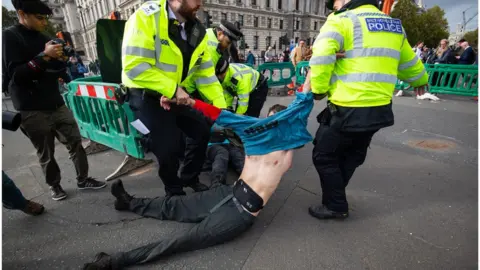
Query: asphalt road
[{"x": 412, "y": 207}]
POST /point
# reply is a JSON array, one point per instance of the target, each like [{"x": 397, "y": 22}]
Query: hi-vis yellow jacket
[
  {"x": 377, "y": 53},
  {"x": 212, "y": 43},
  {"x": 241, "y": 80},
  {"x": 151, "y": 60}
]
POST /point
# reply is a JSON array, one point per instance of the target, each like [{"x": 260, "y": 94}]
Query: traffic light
[
  {"x": 208, "y": 19},
  {"x": 242, "y": 43}
]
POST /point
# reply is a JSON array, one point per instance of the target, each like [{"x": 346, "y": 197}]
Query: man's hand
[
  {"x": 420, "y": 90},
  {"x": 165, "y": 102},
  {"x": 53, "y": 50},
  {"x": 340, "y": 55},
  {"x": 181, "y": 96}
]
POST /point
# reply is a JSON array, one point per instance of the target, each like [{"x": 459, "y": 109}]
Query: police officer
[
  {"x": 359, "y": 89},
  {"x": 165, "y": 54},
  {"x": 220, "y": 38},
  {"x": 241, "y": 81}
]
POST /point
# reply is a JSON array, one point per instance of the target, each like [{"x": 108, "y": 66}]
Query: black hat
[
  {"x": 32, "y": 7},
  {"x": 329, "y": 4},
  {"x": 222, "y": 66},
  {"x": 230, "y": 30},
  {"x": 462, "y": 40}
]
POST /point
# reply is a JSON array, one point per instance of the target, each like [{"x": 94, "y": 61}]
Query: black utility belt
[{"x": 144, "y": 93}]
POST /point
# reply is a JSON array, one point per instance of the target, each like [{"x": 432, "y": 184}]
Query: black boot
[
  {"x": 103, "y": 261},
  {"x": 322, "y": 212},
  {"x": 123, "y": 198}
]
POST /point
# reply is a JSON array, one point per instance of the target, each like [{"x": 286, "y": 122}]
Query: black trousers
[
  {"x": 225, "y": 223},
  {"x": 220, "y": 156},
  {"x": 336, "y": 156},
  {"x": 166, "y": 137},
  {"x": 257, "y": 98}
]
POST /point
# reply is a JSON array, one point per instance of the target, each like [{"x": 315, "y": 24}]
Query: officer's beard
[{"x": 186, "y": 12}]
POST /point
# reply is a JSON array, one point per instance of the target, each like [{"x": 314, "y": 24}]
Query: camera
[
  {"x": 11, "y": 120},
  {"x": 67, "y": 50}
]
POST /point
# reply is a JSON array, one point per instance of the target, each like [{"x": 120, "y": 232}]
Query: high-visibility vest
[
  {"x": 377, "y": 53},
  {"x": 151, "y": 60},
  {"x": 240, "y": 80},
  {"x": 212, "y": 43}
]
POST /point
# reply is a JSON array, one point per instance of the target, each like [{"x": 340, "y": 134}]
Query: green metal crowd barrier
[
  {"x": 103, "y": 120},
  {"x": 301, "y": 71},
  {"x": 276, "y": 70}
]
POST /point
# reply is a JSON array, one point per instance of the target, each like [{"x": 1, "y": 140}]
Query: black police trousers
[
  {"x": 336, "y": 156},
  {"x": 214, "y": 226},
  {"x": 220, "y": 156},
  {"x": 165, "y": 140},
  {"x": 257, "y": 98}
]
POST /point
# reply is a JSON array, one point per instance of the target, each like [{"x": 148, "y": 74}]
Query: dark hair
[
  {"x": 222, "y": 66},
  {"x": 462, "y": 40},
  {"x": 276, "y": 108},
  {"x": 32, "y": 7}
]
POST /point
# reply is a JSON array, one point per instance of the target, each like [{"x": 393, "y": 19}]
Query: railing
[
  {"x": 102, "y": 120},
  {"x": 276, "y": 73}
]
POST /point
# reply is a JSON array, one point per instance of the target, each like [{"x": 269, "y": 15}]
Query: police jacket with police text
[{"x": 152, "y": 60}]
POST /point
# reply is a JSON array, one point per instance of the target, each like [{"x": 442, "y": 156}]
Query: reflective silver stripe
[
  {"x": 206, "y": 80},
  {"x": 242, "y": 103},
  {"x": 166, "y": 67},
  {"x": 254, "y": 80},
  {"x": 357, "y": 30},
  {"x": 323, "y": 60},
  {"x": 212, "y": 43},
  {"x": 385, "y": 52},
  {"x": 244, "y": 96},
  {"x": 242, "y": 72},
  {"x": 235, "y": 68},
  {"x": 206, "y": 65},
  {"x": 413, "y": 79},
  {"x": 365, "y": 77},
  {"x": 333, "y": 35},
  {"x": 137, "y": 51},
  {"x": 408, "y": 64},
  {"x": 378, "y": 14},
  {"x": 137, "y": 70}
]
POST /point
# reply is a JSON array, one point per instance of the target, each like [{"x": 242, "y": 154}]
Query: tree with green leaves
[
  {"x": 472, "y": 38},
  {"x": 429, "y": 26},
  {"x": 9, "y": 17}
]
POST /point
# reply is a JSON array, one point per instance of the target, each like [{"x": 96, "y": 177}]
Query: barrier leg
[
  {"x": 129, "y": 164},
  {"x": 93, "y": 148}
]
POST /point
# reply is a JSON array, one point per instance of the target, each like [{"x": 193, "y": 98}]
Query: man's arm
[
  {"x": 294, "y": 56},
  {"x": 322, "y": 63},
  {"x": 17, "y": 68},
  {"x": 139, "y": 56},
  {"x": 411, "y": 68},
  {"x": 207, "y": 83}
]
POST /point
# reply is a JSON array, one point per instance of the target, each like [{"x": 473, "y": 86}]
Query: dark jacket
[
  {"x": 448, "y": 57},
  {"x": 468, "y": 57},
  {"x": 31, "y": 81}
]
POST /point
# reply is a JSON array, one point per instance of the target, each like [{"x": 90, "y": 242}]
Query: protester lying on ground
[{"x": 224, "y": 212}]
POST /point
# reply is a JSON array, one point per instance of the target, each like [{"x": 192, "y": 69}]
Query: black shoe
[
  {"x": 123, "y": 198},
  {"x": 322, "y": 212},
  {"x": 198, "y": 187},
  {"x": 103, "y": 261},
  {"x": 33, "y": 208},
  {"x": 58, "y": 193},
  {"x": 91, "y": 183}
]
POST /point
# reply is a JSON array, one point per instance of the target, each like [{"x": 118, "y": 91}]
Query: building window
[
  {"x": 255, "y": 42},
  {"x": 315, "y": 24},
  {"x": 267, "y": 3},
  {"x": 224, "y": 16},
  {"x": 240, "y": 19},
  {"x": 254, "y": 2},
  {"x": 269, "y": 42},
  {"x": 269, "y": 22},
  {"x": 255, "y": 22},
  {"x": 279, "y": 4},
  {"x": 297, "y": 4},
  {"x": 297, "y": 25},
  {"x": 281, "y": 24}
]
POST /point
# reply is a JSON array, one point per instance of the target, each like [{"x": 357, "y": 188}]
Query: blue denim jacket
[{"x": 282, "y": 131}]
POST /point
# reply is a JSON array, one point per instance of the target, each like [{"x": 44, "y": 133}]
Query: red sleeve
[{"x": 208, "y": 110}]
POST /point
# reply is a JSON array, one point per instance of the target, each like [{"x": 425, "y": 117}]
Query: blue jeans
[{"x": 12, "y": 196}]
